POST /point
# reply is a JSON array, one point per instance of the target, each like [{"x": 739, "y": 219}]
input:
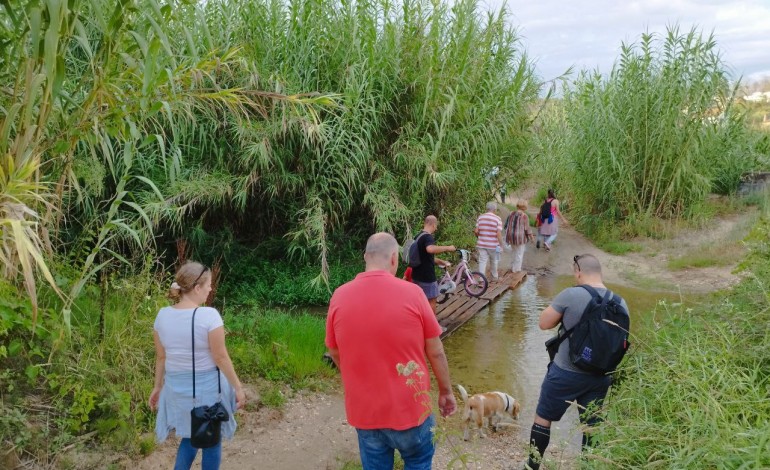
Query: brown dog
[{"x": 493, "y": 405}]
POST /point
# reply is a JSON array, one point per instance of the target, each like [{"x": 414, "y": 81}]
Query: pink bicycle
[{"x": 474, "y": 283}]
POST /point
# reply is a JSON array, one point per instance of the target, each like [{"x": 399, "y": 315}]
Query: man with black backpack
[{"x": 592, "y": 339}]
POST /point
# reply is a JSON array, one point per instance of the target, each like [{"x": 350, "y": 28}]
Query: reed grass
[
  {"x": 653, "y": 138},
  {"x": 299, "y": 118}
]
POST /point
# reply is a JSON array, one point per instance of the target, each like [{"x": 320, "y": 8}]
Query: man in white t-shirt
[{"x": 489, "y": 230}]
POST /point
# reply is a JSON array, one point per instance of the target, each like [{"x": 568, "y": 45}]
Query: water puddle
[{"x": 501, "y": 348}]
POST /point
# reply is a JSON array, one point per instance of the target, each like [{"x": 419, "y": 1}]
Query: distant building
[{"x": 758, "y": 97}]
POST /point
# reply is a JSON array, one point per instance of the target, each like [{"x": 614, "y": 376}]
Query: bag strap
[
  {"x": 219, "y": 383},
  {"x": 607, "y": 296},
  {"x": 594, "y": 295}
]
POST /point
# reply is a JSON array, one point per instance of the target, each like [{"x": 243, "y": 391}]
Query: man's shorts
[
  {"x": 430, "y": 289},
  {"x": 561, "y": 387}
]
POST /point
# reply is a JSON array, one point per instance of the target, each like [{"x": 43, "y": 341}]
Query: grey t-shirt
[{"x": 571, "y": 303}]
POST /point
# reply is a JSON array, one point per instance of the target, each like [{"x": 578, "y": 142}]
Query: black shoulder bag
[{"x": 206, "y": 421}]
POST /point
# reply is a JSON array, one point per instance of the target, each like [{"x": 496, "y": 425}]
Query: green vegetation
[
  {"x": 226, "y": 130},
  {"x": 309, "y": 120},
  {"x": 52, "y": 391},
  {"x": 651, "y": 140},
  {"x": 262, "y": 276},
  {"x": 696, "y": 385},
  {"x": 620, "y": 247},
  {"x": 279, "y": 346},
  {"x": 706, "y": 256},
  {"x": 269, "y": 138}
]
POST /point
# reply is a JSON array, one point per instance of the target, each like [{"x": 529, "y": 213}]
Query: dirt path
[{"x": 311, "y": 432}]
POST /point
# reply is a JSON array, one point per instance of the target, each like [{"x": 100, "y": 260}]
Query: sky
[{"x": 588, "y": 33}]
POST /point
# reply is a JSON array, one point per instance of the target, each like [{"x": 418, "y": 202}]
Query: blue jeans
[
  {"x": 186, "y": 454},
  {"x": 415, "y": 446}
]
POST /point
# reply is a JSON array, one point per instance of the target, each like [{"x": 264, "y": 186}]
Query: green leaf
[
  {"x": 32, "y": 372},
  {"x": 14, "y": 347}
]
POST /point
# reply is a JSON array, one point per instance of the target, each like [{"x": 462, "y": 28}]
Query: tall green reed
[{"x": 656, "y": 135}]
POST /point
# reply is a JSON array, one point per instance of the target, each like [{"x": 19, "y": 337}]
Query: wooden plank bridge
[{"x": 461, "y": 307}]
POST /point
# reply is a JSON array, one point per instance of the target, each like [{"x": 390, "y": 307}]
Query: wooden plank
[
  {"x": 469, "y": 304},
  {"x": 509, "y": 281},
  {"x": 461, "y": 319},
  {"x": 452, "y": 301},
  {"x": 496, "y": 288},
  {"x": 495, "y": 291},
  {"x": 518, "y": 279},
  {"x": 458, "y": 305},
  {"x": 450, "y": 305},
  {"x": 461, "y": 307}
]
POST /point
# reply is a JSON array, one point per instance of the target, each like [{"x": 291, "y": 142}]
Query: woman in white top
[{"x": 172, "y": 395}]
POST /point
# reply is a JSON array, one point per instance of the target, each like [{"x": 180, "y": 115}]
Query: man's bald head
[
  {"x": 431, "y": 224},
  {"x": 381, "y": 252},
  {"x": 588, "y": 264}
]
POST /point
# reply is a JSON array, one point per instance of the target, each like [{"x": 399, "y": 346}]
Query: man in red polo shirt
[{"x": 379, "y": 331}]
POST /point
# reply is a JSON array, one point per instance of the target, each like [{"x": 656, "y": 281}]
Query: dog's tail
[{"x": 463, "y": 393}]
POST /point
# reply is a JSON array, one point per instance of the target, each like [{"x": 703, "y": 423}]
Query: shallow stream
[{"x": 502, "y": 348}]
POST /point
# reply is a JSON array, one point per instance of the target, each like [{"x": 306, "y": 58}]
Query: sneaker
[
  {"x": 537, "y": 245},
  {"x": 547, "y": 246},
  {"x": 443, "y": 329}
]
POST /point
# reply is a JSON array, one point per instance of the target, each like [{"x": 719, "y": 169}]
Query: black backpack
[
  {"x": 600, "y": 339},
  {"x": 545, "y": 212}
]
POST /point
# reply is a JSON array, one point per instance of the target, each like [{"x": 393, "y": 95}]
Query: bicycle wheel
[
  {"x": 442, "y": 298},
  {"x": 477, "y": 286}
]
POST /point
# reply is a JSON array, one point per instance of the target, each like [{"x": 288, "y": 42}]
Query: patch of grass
[
  {"x": 273, "y": 397},
  {"x": 720, "y": 253},
  {"x": 708, "y": 256},
  {"x": 256, "y": 279},
  {"x": 620, "y": 247},
  {"x": 147, "y": 445},
  {"x": 647, "y": 283},
  {"x": 351, "y": 465},
  {"x": 279, "y": 346}
]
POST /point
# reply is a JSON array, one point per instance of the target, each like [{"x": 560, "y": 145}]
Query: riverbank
[{"x": 310, "y": 430}]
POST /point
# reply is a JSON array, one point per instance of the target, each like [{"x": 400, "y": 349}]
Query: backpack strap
[
  {"x": 607, "y": 296},
  {"x": 594, "y": 295}
]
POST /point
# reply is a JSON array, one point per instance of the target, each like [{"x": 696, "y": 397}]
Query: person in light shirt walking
[{"x": 489, "y": 230}]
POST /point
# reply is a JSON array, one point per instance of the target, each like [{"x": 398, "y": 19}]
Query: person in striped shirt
[{"x": 489, "y": 230}]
